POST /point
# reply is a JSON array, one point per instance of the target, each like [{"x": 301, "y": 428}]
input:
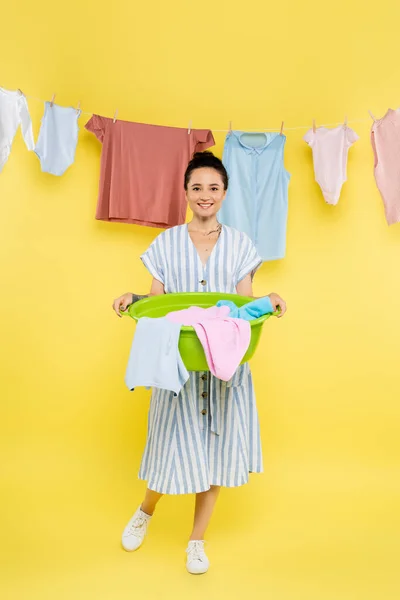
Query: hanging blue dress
[{"x": 257, "y": 198}]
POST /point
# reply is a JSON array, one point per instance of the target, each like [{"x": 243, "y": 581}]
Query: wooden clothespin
[
  {"x": 52, "y": 100},
  {"x": 190, "y": 127},
  {"x": 371, "y": 115},
  {"x": 20, "y": 91},
  {"x": 115, "y": 116},
  {"x": 314, "y": 127},
  {"x": 281, "y": 131},
  {"x": 230, "y": 126},
  {"x": 78, "y": 108},
  {"x": 345, "y": 121}
]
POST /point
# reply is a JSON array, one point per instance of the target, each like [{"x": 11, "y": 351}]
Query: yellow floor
[{"x": 310, "y": 527}]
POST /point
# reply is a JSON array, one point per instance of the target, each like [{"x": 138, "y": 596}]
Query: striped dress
[{"x": 209, "y": 434}]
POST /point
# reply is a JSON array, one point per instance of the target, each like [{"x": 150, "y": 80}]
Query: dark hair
[{"x": 203, "y": 160}]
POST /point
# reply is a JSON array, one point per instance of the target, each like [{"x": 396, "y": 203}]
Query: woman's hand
[
  {"x": 277, "y": 303},
  {"x": 122, "y": 303}
]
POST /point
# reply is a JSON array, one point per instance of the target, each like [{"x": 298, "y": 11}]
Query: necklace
[
  {"x": 207, "y": 233},
  {"x": 217, "y": 230}
]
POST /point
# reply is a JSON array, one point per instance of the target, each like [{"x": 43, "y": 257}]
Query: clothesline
[
  {"x": 300, "y": 127},
  {"x": 43, "y": 101},
  {"x": 56, "y": 148}
]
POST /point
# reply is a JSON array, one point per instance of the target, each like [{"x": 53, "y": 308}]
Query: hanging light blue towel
[
  {"x": 155, "y": 360},
  {"x": 249, "y": 312}
]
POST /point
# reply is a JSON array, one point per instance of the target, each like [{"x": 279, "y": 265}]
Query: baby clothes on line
[
  {"x": 224, "y": 340},
  {"x": 58, "y": 138},
  {"x": 250, "y": 311},
  {"x": 13, "y": 113},
  {"x": 142, "y": 169},
  {"x": 257, "y": 198},
  {"x": 385, "y": 140},
  {"x": 154, "y": 359},
  {"x": 330, "y": 149}
]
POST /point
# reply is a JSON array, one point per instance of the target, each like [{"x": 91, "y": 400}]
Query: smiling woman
[
  {"x": 208, "y": 435},
  {"x": 206, "y": 182}
]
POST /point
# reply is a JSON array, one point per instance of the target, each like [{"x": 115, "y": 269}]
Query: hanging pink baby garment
[
  {"x": 330, "y": 149},
  {"x": 225, "y": 340},
  {"x": 385, "y": 139}
]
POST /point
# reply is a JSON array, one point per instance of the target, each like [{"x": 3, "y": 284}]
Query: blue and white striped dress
[{"x": 209, "y": 434}]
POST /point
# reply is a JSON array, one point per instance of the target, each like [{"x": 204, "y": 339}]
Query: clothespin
[
  {"x": 115, "y": 116},
  {"x": 20, "y": 91},
  {"x": 52, "y": 100},
  {"x": 371, "y": 115},
  {"x": 78, "y": 108},
  {"x": 281, "y": 132},
  {"x": 230, "y": 126},
  {"x": 189, "y": 127},
  {"x": 345, "y": 121},
  {"x": 314, "y": 127}
]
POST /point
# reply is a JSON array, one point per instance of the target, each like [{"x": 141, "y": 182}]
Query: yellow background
[{"x": 322, "y": 522}]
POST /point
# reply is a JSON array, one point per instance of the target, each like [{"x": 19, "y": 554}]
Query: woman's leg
[
  {"x": 205, "y": 503},
  {"x": 136, "y": 529},
  {"x": 150, "y": 502}
]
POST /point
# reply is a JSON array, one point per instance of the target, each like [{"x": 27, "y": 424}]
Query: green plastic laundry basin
[{"x": 190, "y": 348}]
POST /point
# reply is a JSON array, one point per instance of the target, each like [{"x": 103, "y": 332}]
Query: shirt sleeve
[
  {"x": 204, "y": 139},
  {"x": 309, "y": 137},
  {"x": 96, "y": 125},
  {"x": 26, "y": 123},
  {"x": 152, "y": 260},
  {"x": 351, "y": 136},
  {"x": 249, "y": 259}
]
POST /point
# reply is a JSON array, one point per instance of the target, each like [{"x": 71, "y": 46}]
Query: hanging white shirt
[{"x": 14, "y": 112}]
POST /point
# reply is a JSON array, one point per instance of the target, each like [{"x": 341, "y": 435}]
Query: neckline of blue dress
[{"x": 269, "y": 139}]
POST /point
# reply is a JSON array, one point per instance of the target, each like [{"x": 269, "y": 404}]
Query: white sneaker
[
  {"x": 135, "y": 531},
  {"x": 197, "y": 561}
]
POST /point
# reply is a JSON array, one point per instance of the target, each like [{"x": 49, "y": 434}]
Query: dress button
[
  {"x": 203, "y": 282},
  {"x": 204, "y": 395},
  {"x": 204, "y": 412},
  {"x": 204, "y": 377}
]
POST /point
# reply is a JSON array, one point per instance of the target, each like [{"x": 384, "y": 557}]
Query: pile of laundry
[{"x": 223, "y": 330}]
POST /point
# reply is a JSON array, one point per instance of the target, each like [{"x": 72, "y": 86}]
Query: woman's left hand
[{"x": 277, "y": 303}]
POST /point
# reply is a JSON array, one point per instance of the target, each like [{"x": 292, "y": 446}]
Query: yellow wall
[{"x": 322, "y": 522}]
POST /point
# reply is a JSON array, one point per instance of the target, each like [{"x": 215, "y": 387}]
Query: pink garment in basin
[{"x": 225, "y": 340}]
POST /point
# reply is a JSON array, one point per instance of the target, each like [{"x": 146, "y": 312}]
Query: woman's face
[{"x": 205, "y": 192}]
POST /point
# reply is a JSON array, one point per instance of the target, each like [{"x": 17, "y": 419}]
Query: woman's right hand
[{"x": 122, "y": 303}]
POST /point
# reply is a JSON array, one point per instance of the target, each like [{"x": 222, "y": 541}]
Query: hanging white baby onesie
[
  {"x": 58, "y": 138},
  {"x": 330, "y": 148},
  {"x": 13, "y": 113}
]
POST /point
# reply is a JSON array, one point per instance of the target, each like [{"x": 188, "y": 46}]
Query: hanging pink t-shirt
[{"x": 142, "y": 170}]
